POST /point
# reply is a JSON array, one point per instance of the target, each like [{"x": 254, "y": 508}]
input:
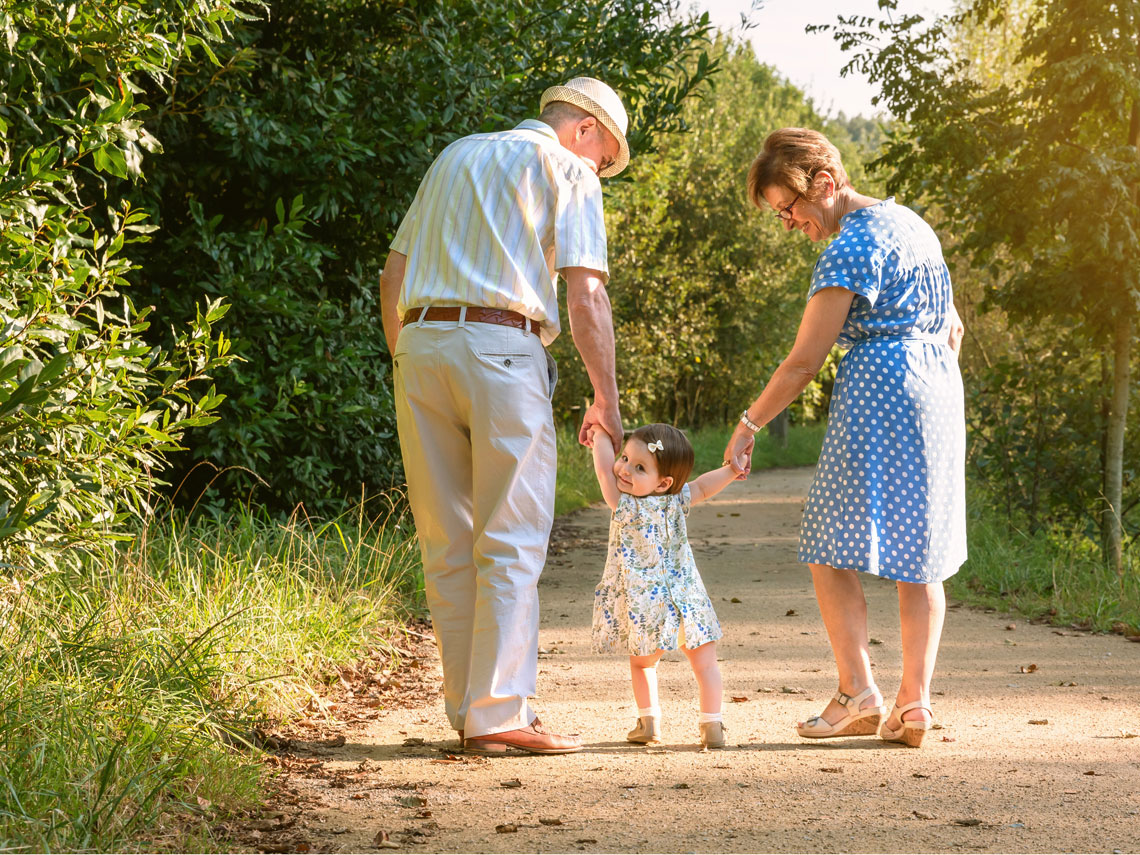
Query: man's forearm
[
  {"x": 592, "y": 326},
  {"x": 391, "y": 280}
]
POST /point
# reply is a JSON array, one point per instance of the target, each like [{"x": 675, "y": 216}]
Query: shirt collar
[{"x": 536, "y": 125}]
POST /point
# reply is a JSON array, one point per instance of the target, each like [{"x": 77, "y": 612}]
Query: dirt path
[{"x": 1023, "y": 762}]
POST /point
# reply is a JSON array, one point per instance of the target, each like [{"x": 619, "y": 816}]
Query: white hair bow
[{"x": 656, "y": 446}]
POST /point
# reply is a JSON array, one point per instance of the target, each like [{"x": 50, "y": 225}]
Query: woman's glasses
[{"x": 785, "y": 213}]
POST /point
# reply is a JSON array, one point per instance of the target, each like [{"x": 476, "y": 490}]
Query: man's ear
[
  {"x": 586, "y": 125},
  {"x": 664, "y": 484}
]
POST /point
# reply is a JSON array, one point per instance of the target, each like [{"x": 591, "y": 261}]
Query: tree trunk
[{"x": 1114, "y": 456}]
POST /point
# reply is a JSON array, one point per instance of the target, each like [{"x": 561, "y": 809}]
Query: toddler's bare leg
[
  {"x": 643, "y": 673},
  {"x": 707, "y": 672}
]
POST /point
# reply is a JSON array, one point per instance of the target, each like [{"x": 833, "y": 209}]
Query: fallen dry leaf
[
  {"x": 949, "y": 739},
  {"x": 968, "y": 822},
  {"x": 335, "y": 742},
  {"x": 830, "y": 769},
  {"x": 793, "y": 690},
  {"x": 587, "y": 840},
  {"x": 739, "y": 699},
  {"x": 506, "y": 828},
  {"x": 358, "y": 796},
  {"x": 874, "y": 641},
  {"x": 414, "y": 740},
  {"x": 790, "y": 613},
  {"x": 549, "y": 820},
  {"x": 1027, "y": 669},
  {"x": 918, "y": 775},
  {"x": 1038, "y": 721},
  {"x": 921, "y": 814},
  {"x": 736, "y": 600},
  {"x": 512, "y": 784},
  {"x": 380, "y": 837},
  {"x": 1091, "y": 772},
  {"x": 681, "y": 786}
]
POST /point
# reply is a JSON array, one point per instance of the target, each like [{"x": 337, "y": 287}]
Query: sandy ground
[{"x": 1043, "y": 761}]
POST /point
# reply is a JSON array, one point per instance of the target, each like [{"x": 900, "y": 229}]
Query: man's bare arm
[
  {"x": 592, "y": 325},
  {"x": 391, "y": 281}
]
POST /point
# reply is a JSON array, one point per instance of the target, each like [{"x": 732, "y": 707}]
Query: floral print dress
[{"x": 651, "y": 596}]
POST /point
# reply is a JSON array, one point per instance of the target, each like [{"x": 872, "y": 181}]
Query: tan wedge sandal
[
  {"x": 857, "y": 722},
  {"x": 910, "y": 733}
]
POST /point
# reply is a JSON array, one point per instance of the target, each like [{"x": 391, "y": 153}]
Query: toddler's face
[{"x": 636, "y": 471}]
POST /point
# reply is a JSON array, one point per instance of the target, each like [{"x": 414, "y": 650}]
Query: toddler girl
[{"x": 651, "y": 598}]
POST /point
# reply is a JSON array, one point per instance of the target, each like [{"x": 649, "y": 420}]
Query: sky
[{"x": 812, "y": 62}]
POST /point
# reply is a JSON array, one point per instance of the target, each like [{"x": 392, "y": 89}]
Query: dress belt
[
  {"x": 477, "y": 314},
  {"x": 929, "y": 338}
]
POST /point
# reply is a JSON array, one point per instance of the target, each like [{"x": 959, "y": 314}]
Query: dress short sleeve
[
  {"x": 853, "y": 261},
  {"x": 626, "y": 510},
  {"x": 686, "y": 499}
]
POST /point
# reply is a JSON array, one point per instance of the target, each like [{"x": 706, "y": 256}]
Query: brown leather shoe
[{"x": 533, "y": 739}]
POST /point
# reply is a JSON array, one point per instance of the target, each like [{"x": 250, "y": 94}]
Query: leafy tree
[
  {"x": 89, "y": 410},
  {"x": 288, "y": 167},
  {"x": 1037, "y": 172}
]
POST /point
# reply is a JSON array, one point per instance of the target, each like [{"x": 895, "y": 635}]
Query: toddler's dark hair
[{"x": 675, "y": 459}]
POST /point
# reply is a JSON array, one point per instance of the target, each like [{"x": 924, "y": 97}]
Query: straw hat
[{"x": 601, "y": 102}]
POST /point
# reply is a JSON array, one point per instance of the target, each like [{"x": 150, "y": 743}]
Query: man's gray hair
[{"x": 558, "y": 113}]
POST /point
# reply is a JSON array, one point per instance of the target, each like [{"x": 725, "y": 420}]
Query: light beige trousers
[{"x": 477, "y": 437}]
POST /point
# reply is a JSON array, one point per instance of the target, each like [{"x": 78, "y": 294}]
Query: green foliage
[
  {"x": 123, "y": 678},
  {"x": 1050, "y": 575},
  {"x": 707, "y": 291},
  {"x": 286, "y": 171},
  {"x": 88, "y": 409}
]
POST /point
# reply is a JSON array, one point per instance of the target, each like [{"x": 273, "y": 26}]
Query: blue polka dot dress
[{"x": 889, "y": 496}]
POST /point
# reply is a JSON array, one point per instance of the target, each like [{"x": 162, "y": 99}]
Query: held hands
[
  {"x": 738, "y": 452},
  {"x": 605, "y": 419}
]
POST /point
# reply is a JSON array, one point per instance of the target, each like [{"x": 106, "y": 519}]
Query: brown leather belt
[{"x": 478, "y": 314}]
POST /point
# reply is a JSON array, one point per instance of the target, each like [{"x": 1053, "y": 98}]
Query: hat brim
[{"x": 573, "y": 96}]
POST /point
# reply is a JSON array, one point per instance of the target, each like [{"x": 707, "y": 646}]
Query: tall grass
[
  {"x": 125, "y": 679},
  {"x": 1047, "y": 574},
  {"x": 577, "y": 486}
]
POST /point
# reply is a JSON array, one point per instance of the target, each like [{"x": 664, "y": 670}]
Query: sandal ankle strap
[
  {"x": 852, "y": 702},
  {"x": 913, "y": 705}
]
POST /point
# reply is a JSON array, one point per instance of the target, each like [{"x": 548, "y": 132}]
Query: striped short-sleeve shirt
[{"x": 494, "y": 219}]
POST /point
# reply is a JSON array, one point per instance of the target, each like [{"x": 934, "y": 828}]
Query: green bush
[
  {"x": 88, "y": 409},
  {"x": 288, "y": 168}
]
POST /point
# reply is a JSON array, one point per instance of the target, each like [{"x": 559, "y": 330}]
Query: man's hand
[{"x": 606, "y": 418}]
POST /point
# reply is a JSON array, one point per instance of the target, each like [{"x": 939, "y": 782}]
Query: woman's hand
[{"x": 738, "y": 452}]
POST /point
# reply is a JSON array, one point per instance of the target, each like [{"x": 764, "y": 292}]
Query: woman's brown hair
[
  {"x": 675, "y": 458},
  {"x": 791, "y": 158}
]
